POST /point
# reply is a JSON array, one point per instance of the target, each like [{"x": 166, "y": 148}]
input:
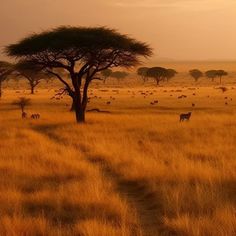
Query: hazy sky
[{"x": 178, "y": 29}]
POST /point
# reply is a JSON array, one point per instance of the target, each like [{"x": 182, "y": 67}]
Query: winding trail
[
  {"x": 137, "y": 195},
  {"x": 147, "y": 206}
]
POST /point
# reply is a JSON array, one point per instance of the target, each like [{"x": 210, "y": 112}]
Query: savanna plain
[{"x": 131, "y": 170}]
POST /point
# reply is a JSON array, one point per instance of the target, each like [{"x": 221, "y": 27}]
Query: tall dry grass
[{"x": 135, "y": 171}]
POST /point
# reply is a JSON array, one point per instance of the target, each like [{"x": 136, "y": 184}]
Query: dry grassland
[{"x": 133, "y": 171}]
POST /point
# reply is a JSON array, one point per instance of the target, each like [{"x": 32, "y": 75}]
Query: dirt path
[
  {"x": 139, "y": 197},
  {"x": 136, "y": 194}
]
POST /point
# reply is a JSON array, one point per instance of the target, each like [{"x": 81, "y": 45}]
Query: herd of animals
[
  {"x": 182, "y": 117},
  {"x": 35, "y": 116}
]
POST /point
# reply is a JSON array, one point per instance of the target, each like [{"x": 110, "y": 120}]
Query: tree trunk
[
  {"x": 80, "y": 115},
  {"x": 32, "y": 88},
  {"x": 79, "y": 111}
]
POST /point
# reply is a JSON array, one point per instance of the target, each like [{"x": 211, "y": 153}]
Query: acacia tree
[
  {"x": 170, "y": 73},
  {"x": 220, "y": 74},
  {"x": 82, "y": 52},
  {"x": 211, "y": 74},
  {"x": 142, "y": 72},
  {"x": 196, "y": 74},
  {"x": 158, "y": 73},
  {"x": 106, "y": 74},
  {"x": 119, "y": 75},
  {"x": 5, "y": 70},
  {"x": 32, "y": 72}
]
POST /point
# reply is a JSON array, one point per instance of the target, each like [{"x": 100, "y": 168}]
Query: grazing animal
[
  {"x": 184, "y": 117},
  {"x": 108, "y": 103},
  {"x": 35, "y": 116},
  {"x": 24, "y": 115},
  {"x": 193, "y": 104}
]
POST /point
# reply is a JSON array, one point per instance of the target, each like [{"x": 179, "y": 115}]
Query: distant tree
[
  {"x": 106, "y": 74},
  {"x": 22, "y": 102},
  {"x": 220, "y": 74},
  {"x": 119, "y": 75},
  {"x": 211, "y": 74},
  {"x": 5, "y": 70},
  {"x": 142, "y": 72},
  {"x": 170, "y": 73},
  {"x": 158, "y": 73},
  {"x": 82, "y": 52},
  {"x": 196, "y": 74},
  {"x": 32, "y": 72}
]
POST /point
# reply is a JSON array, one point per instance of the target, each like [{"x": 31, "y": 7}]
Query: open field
[{"x": 133, "y": 171}]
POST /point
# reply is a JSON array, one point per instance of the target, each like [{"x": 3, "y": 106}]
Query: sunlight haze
[{"x": 175, "y": 29}]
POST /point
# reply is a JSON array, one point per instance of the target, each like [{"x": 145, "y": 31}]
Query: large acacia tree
[
  {"x": 6, "y": 69},
  {"x": 82, "y": 52}
]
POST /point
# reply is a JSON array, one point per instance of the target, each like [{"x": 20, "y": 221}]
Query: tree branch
[{"x": 63, "y": 81}]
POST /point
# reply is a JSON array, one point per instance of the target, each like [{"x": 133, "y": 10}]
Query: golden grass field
[{"x": 136, "y": 171}]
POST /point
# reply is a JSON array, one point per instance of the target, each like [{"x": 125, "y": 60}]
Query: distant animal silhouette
[
  {"x": 24, "y": 115},
  {"x": 184, "y": 117},
  {"x": 35, "y": 116}
]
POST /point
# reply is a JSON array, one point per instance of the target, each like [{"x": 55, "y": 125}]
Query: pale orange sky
[{"x": 177, "y": 29}]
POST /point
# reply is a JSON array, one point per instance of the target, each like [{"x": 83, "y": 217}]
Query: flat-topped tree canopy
[
  {"x": 81, "y": 43},
  {"x": 28, "y": 66},
  {"x": 34, "y": 73},
  {"x": 82, "y": 52}
]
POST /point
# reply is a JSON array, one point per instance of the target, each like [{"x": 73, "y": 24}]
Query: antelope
[
  {"x": 35, "y": 116},
  {"x": 184, "y": 117},
  {"x": 24, "y": 115}
]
